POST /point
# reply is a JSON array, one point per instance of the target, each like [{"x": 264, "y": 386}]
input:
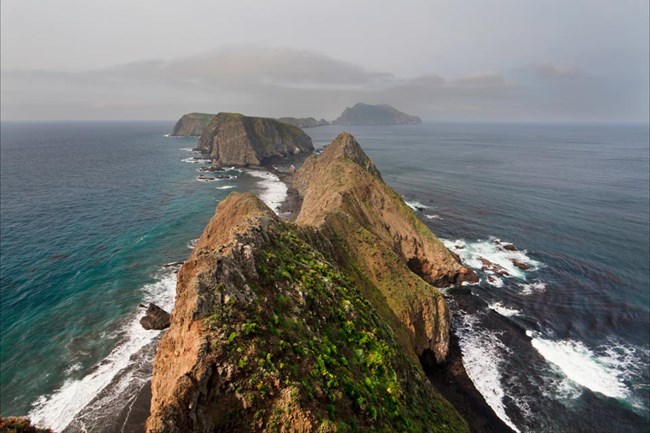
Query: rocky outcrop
[
  {"x": 235, "y": 139},
  {"x": 303, "y": 122},
  {"x": 312, "y": 326},
  {"x": 155, "y": 318},
  {"x": 192, "y": 124},
  {"x": 382, "y": 114}
]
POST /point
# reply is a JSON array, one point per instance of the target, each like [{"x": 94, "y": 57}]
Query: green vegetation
[{"x": 312, "y": 338}]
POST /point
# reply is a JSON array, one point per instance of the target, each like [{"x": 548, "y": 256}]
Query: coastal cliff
[
  {"x": 192, "y": 124},
  {"x": 317, "y": 325},
  {"x": 381, "y": 114},
  {"x": 235, "y": 139}
]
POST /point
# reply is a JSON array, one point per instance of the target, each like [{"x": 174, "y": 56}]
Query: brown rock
[
  {"x": 155, "y": 318},
  {"x": 520, "y": 265}
]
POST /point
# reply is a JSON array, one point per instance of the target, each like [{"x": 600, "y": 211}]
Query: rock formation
[
  {"x": 303, "y": 122},
  {"x": 382, "y": 114},
  {"x": 155, "y": 318},
  {"x": 192, "y": 124},
  {"x": 235, "y": 139},
  {"x": 309, "y": 326}
]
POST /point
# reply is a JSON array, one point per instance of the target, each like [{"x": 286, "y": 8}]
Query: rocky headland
[
  {"x": 381, "y": 114},
  {"x": 235, "y": 139},
  {"x": 192, "y": 124},
  {"x": 314, "y": 325}
]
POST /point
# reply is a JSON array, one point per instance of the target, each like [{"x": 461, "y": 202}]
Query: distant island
[
  {"x": 382, "y": 114},
  {"x": 193, "y": 124},
  {"x": 303, "y": 122}
]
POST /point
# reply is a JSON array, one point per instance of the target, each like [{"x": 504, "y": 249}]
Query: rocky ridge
[
  {"x": 316, "y": 325},
  {"x": 303, "y": 122}
]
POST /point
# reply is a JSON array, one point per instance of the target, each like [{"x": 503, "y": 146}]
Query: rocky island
[
  {"x": 192, "y": 124},
  {"x": 235, "y": 139},
  {"x": 304, "y": 122},
  {"x": 381, "y": 114},
  {"x": 314, "y": 325}
]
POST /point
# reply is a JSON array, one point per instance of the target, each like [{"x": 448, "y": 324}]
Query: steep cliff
[
  {"x": 235, "y": 139},
  {"x": 192, "y": 124},
  {"x": 309, "y": 326},
  {"x": 382, "y": 240},
  {"x": 381, "y": 114},
  {"x": 303, "y": 122}
]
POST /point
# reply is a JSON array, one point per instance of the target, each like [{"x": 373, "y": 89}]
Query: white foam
[
  {"x": 434, "y": 217},
  {"x": 189, "y": 149},
  {"x": 481, "y": 351},
  {"x": 226, "y": 187},
  {"x": 503, "y": 310},
  {"x": 191, "y": 244},
  {"x": 166, "y": 135},
  {"x": 193, "y": 160},
  {"x": 534, "y": 287},
  {"x": 214, "y": 179},
  {"x": 492, "y": 249},
  {"x": 416, "y": 205},
  {"x": 57, "y": 410},
  {"x": 274, "y": 191},
  {"x": 604, "y": 369}
]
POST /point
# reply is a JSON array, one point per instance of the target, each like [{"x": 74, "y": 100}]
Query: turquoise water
[{"x": 91, "y": 212}]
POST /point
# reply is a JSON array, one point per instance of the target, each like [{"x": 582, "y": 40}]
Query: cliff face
[
  {"x": 303, "y": 122},
  {"x": 382, "y": 114},
  {"x": 192, "y": 124},
  {"x": 383, "y": 240},
  {"x": 235, "y": 139},
  {"x": 309, "y": 326}
]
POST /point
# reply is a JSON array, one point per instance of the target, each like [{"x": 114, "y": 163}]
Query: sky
[{"x": 464, "y": 60}]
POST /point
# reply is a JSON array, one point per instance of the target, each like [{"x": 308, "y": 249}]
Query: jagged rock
[
  {"x": 235, "y": 139},
  {"x": 520, "y": 265},
  {"x": 155, "y": 318},
  {"x": 382, "y": 114}
]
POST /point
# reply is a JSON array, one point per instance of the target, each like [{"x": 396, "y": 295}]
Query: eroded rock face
[
  {"x": 270, "y": 334},
  {"x": 235, "y": 139},
  {"x": 192, "y": 124}
]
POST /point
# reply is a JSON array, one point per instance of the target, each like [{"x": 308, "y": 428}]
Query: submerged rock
[{"x": 155, "y": 318}]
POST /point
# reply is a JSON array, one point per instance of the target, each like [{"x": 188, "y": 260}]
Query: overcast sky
[{"x": 520, "y": 60}]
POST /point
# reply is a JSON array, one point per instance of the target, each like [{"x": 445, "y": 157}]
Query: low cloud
[{"x": 283, "y": 81}]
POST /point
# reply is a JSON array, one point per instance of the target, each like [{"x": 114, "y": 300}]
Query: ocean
[{"x": 94, "y": 216}]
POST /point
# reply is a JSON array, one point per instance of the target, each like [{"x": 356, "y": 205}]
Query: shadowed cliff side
[
  {"x": 381, "y": 241},
  {"x": 269, "y": 334},
  {"x": 235, "y": 139}
]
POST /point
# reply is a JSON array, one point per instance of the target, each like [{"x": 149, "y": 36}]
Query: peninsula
[{"x": 314, "y": 325}]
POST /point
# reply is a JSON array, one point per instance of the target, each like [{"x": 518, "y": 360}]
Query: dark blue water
[{"x": 91, "y": 212}]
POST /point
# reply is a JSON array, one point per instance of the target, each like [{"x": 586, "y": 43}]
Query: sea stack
[
  {"x": 235, "y": 139},
  {"x": 316, "y": 325}
]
